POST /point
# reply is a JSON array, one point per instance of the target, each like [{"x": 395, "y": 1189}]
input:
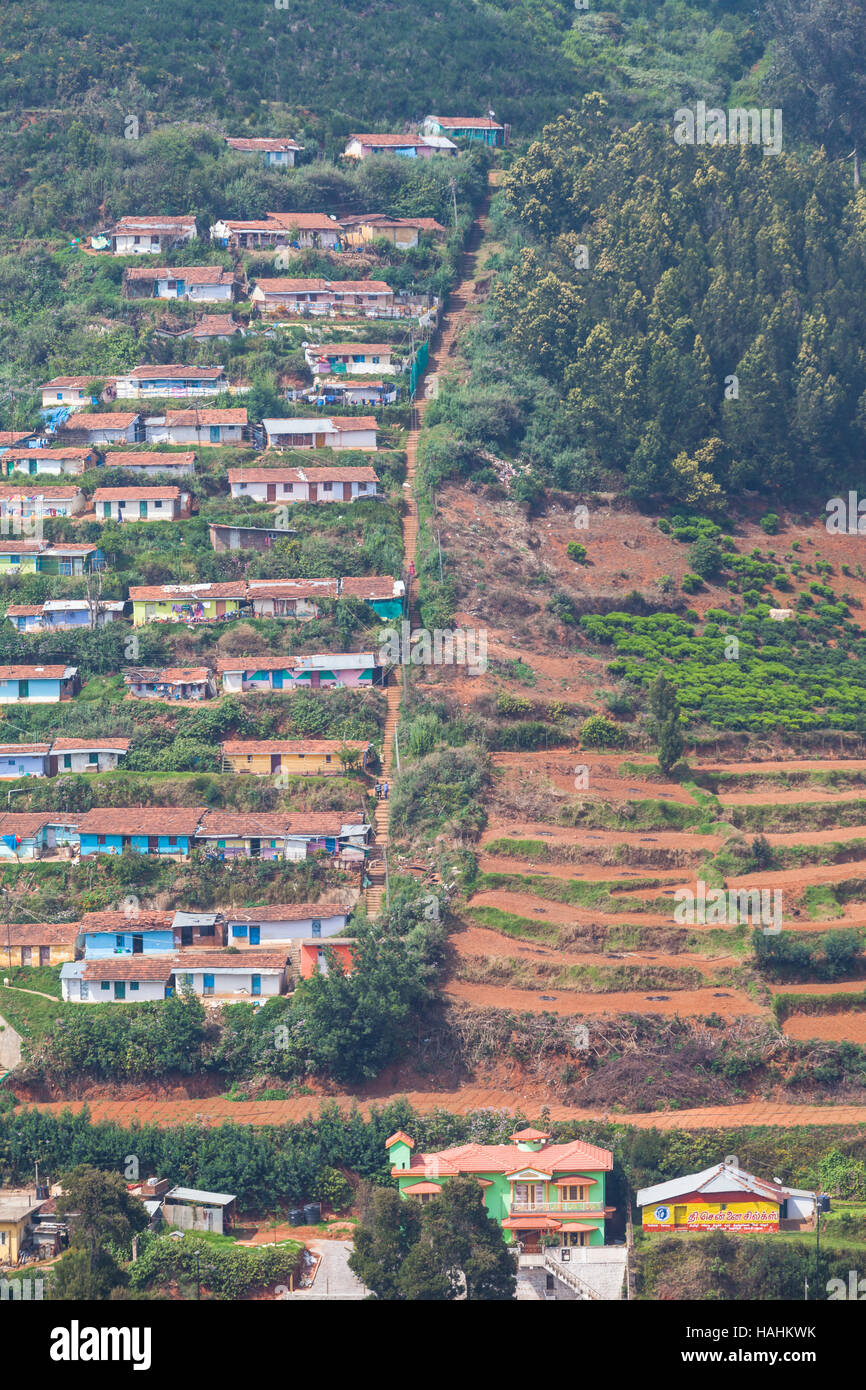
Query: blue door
[
  {"x": 278, "y": 680},
  {"x": 207, "y": 986},
  {"x": 257, "y": 984},
  {"x": 255, "y": 935}
]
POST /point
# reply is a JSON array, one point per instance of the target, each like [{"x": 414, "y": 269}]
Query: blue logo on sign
[{"x": 662, "y": 1213}]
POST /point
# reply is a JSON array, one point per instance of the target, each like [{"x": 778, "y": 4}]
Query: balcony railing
[{"x": 525, "y": 1208}]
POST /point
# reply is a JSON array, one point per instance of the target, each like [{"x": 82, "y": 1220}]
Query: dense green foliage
[
  {"x": 704, "y": 265},
  {"x": 446, "y": 1249}
]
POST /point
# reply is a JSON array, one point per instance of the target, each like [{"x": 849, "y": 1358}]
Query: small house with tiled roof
[{"x": 538, "y": 1191}]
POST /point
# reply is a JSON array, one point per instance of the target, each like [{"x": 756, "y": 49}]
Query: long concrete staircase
[{"x": 376, "y": 896}]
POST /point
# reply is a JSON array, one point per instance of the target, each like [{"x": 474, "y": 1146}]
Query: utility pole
[
  {"x": 454, "y": 201},
  {"x": 439, "y": 543},
  {"x": 8, "y": 926}
]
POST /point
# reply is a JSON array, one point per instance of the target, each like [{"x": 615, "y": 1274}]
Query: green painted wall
[{"x": 497, "y": 1197}]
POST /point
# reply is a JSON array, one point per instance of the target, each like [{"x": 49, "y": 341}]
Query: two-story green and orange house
[{"x": 533, "y": 1188}]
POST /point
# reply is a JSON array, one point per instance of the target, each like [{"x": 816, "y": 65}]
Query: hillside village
[{"x": 431, "y": 693}]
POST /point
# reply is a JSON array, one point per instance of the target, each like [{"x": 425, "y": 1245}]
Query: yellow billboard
[{"x": 750, "y": 1214}]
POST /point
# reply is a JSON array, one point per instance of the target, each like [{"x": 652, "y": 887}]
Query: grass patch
[{"x": 821, "y": 902}]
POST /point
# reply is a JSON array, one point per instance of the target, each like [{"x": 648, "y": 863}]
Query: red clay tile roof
[
  {"x": 300, "y": 286},
  {"x": 284, "y": 912},
  {"x": 25, "y": 823},
  {"x": 192, "y": 274},
  {"x": 72, "y": 452},
  {"x": 215, "y": 325},
  {"x": 372, "y": 138},
  {"x": 300, "y": 475},
  {"x": 258, "y": 142},
  {"x": 34, "y": 673},
  {"x": 81, "y": 381},
  {"x": 23, "y": 610},
  {"x": 22, "y": 547},
  {"x": 40, "y": 934},
  {"x": 136, "y": 494},
  {"x": 126, "y": 459},
  {"x": 400, "y": 1136},
  {"x": 240, "y": 747},
  {"x": 530, "y": 1135},
  {"x": 171, "y": 675},
  {"x": 69, "y": 745},
  {"x": 174, "y": 370},
  {"x": 338, "y": 349},
  {"x": 34, "y": 749},
  {"x": 284, "y": 222},
  {"x": 112, "y": 919},
  {"x": 158, "y": 222},
  {"x": 183, "y": 593},
  {"x": 140, "y": 820},
  {"x": 105, "y": 420},
  {"x": 272, "y": 825},
  {"x": 38, "y": 490},
  {"x": 507, "y": 1158},
  {"x": 72, "y": 548},
  {"x": 151, "y": 968},
  {"x": 253, "y": 958},
  {"x": 206, "y": 417},
  {"x": 292, "y": 588},
  {"x": 13, "y": 437},
  {"x": 378, "y": 586},
  {"x": 467, "y": 123}
]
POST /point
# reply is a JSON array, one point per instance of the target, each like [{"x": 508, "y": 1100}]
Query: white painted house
[
  {"x": 171, "y": 380},
  {"x": 300, "y": 229},
  {"x": 143, "y": 236},
  {"x": 208, "y": 427},
  {"x": 162, "y": 502},
  {"x": 276, "y": 153},
  {"x": 282, "y": 923},
  {"x": 321, "y": 432},
  {"x": 70, "y": 391},
  {"x": 287, "y": 485},
  {"x": 202, "y": 284}
]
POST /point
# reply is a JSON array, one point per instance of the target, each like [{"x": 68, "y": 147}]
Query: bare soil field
[
  {"x": 696, "y": 1003},
  {"x": 844, "y": 1027},
  {"x": 464, "y": 1101}
]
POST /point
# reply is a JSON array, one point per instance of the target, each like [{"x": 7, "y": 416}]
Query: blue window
[
  {"x": 239, "y": 929},
  {"x": 133, "y": 984},
  {"x": 106, "y": 984}
]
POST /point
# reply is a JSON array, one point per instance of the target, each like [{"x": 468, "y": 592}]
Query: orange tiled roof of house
[
  {"x": 41, "y": 933},
  {"x": 192, "y": 274},
  {"x": 69, "y": 745},
  {"x": 508, "y": 1158},
  {"x": 140, "y": 820},
  {"x": 284, "y": 912},
  {"x": 136, "y": 494},
  {"x": 206, "y": 417},
  {"x": 180, "y": 593}
]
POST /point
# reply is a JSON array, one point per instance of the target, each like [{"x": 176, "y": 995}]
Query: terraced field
[{"x": 581, "y": 919}]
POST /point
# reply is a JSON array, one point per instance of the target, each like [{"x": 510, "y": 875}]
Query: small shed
[{"x": 193, "y": 1209}]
